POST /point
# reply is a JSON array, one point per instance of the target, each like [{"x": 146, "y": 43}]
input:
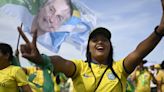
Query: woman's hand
[{"x": 29, "y": 50}]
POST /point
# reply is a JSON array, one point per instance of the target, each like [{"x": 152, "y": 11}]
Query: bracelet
[{"x": 157, "y": 33}]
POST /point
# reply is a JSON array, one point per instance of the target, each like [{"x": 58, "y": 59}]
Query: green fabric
[
  {"x": 15, "y": 61},
  {"x": 31, "y": 78},
  {"x": 64, "y": 85},
  {"x": 48, "y": 85},
  {"x": 32, "y": 5},
  {"x": 62, "y": 76},
  {"x": 130, "y": 87}
]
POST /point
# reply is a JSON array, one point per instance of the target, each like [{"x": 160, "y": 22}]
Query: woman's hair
[
  {"x": 6, "y": 49},
  {"x": 110, "y": 56}
]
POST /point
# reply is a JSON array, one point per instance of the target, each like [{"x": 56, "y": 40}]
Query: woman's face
[
  {"x": 99, "y": 47},
  {"x": 53, "y": 15},
  {"x": 3, "y": 58}
]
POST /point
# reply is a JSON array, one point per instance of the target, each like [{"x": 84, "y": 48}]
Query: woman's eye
[
  {"x": 50, "y": 9},
  {"x": 94, "y": 40},
  {"x": 104, "y": 39}
]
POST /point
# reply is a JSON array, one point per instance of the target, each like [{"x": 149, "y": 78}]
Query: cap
[{"x": 100, "y": 30}]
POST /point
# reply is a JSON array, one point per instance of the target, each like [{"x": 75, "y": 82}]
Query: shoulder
[
  {"x": 161, "y": 72},
  {"x": 119, "y": 67},
  {"x": 118, "y": 64},
  {"x": 78, "y": 62},
  {"x": 15, "y": 68},
  {"x": 80, "y": 66}
]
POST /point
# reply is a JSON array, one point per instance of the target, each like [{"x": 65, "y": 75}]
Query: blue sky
[{"x": 130, "y": 21}]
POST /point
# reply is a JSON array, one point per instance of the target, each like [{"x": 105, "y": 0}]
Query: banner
[{"x": 56, "y": 21}]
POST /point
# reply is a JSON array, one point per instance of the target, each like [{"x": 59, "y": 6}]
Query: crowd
[{"x": 98, "y": 73}]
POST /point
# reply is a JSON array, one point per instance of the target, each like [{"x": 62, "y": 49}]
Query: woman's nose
[
  {"x": 99, "y": 41},
  {"x": 53, "y": 19},
  {"x": 52, "y": 16}
]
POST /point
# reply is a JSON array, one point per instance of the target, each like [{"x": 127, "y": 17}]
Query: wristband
[
  {"x": 47, "y": 62},
  {"x": 157, "y": 33}
]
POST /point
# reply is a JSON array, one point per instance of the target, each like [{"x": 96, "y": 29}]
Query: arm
[
  {"x": 159, "y": 81},
  {"x": 62, "y": 65},
  {"x": 26, "y": 88},
  {"x": 145, "y": 47},
  {"x": 134, "y": 73},
  {"x": 30, "y": 52},
  {"x": 159, "y": 84}
]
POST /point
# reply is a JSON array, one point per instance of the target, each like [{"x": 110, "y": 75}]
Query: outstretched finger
[
  {"x": 23, "y": 35},
  {"x": 34, "y": 38}
]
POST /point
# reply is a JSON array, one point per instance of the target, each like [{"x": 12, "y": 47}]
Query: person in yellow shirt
[
  {"x": 99, "y": 72},
  {"x": 143, "y": 78},
  {"x": 12, "y": 78},
  {"x": 65, "y": 84},
  {"x": 160, "y": 78},
  {"x": 130, "y": 82},
  {"x": 36, "y": 79},
  {"x": 154, "y": 69}
]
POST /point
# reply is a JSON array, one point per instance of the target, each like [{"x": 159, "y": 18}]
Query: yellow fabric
[
  {"x": 160, "y": 77},
  {"x": 39, "y": 79},
  {"x": 143, "y": 79},
  {"x": 12, "y": 77},
  {"x": 76, "y": 13},
  {"x": 83, "y": 79},
  {"x": 157, "y": 66}
]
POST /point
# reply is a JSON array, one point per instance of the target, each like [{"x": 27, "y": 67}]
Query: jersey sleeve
[
  {"x": 21, "y": 77},
  {"x": 79, "y": 65},
  {"x": 120, "y": 65}
]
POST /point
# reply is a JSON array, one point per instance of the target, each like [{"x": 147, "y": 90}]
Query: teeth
[{"x": 100, "y": 47}]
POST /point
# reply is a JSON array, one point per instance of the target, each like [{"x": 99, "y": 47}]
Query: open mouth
[{"x": 100, "y": 48}]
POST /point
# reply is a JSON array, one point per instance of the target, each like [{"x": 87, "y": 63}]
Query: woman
[
  {"x": 12, "y": 78},
  {"x": 143, "y": 78},
  {"x": 100, "y": 72},
  {"x": 160, "y": 79}
]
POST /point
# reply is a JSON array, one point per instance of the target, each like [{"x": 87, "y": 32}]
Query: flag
[{"x": 53, "y": 25}]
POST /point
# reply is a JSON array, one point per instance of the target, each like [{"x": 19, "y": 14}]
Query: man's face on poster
[{"x": 53, "y": 14}]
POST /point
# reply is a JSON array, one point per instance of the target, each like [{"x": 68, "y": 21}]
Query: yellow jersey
[
  {"x": 160, "y": 77},
  {"x": 143, "y": 79},
  {"x": 39, "y": 80},
  {"x": 12, "y": 77},
  {"x": 84, "y": 81}
]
